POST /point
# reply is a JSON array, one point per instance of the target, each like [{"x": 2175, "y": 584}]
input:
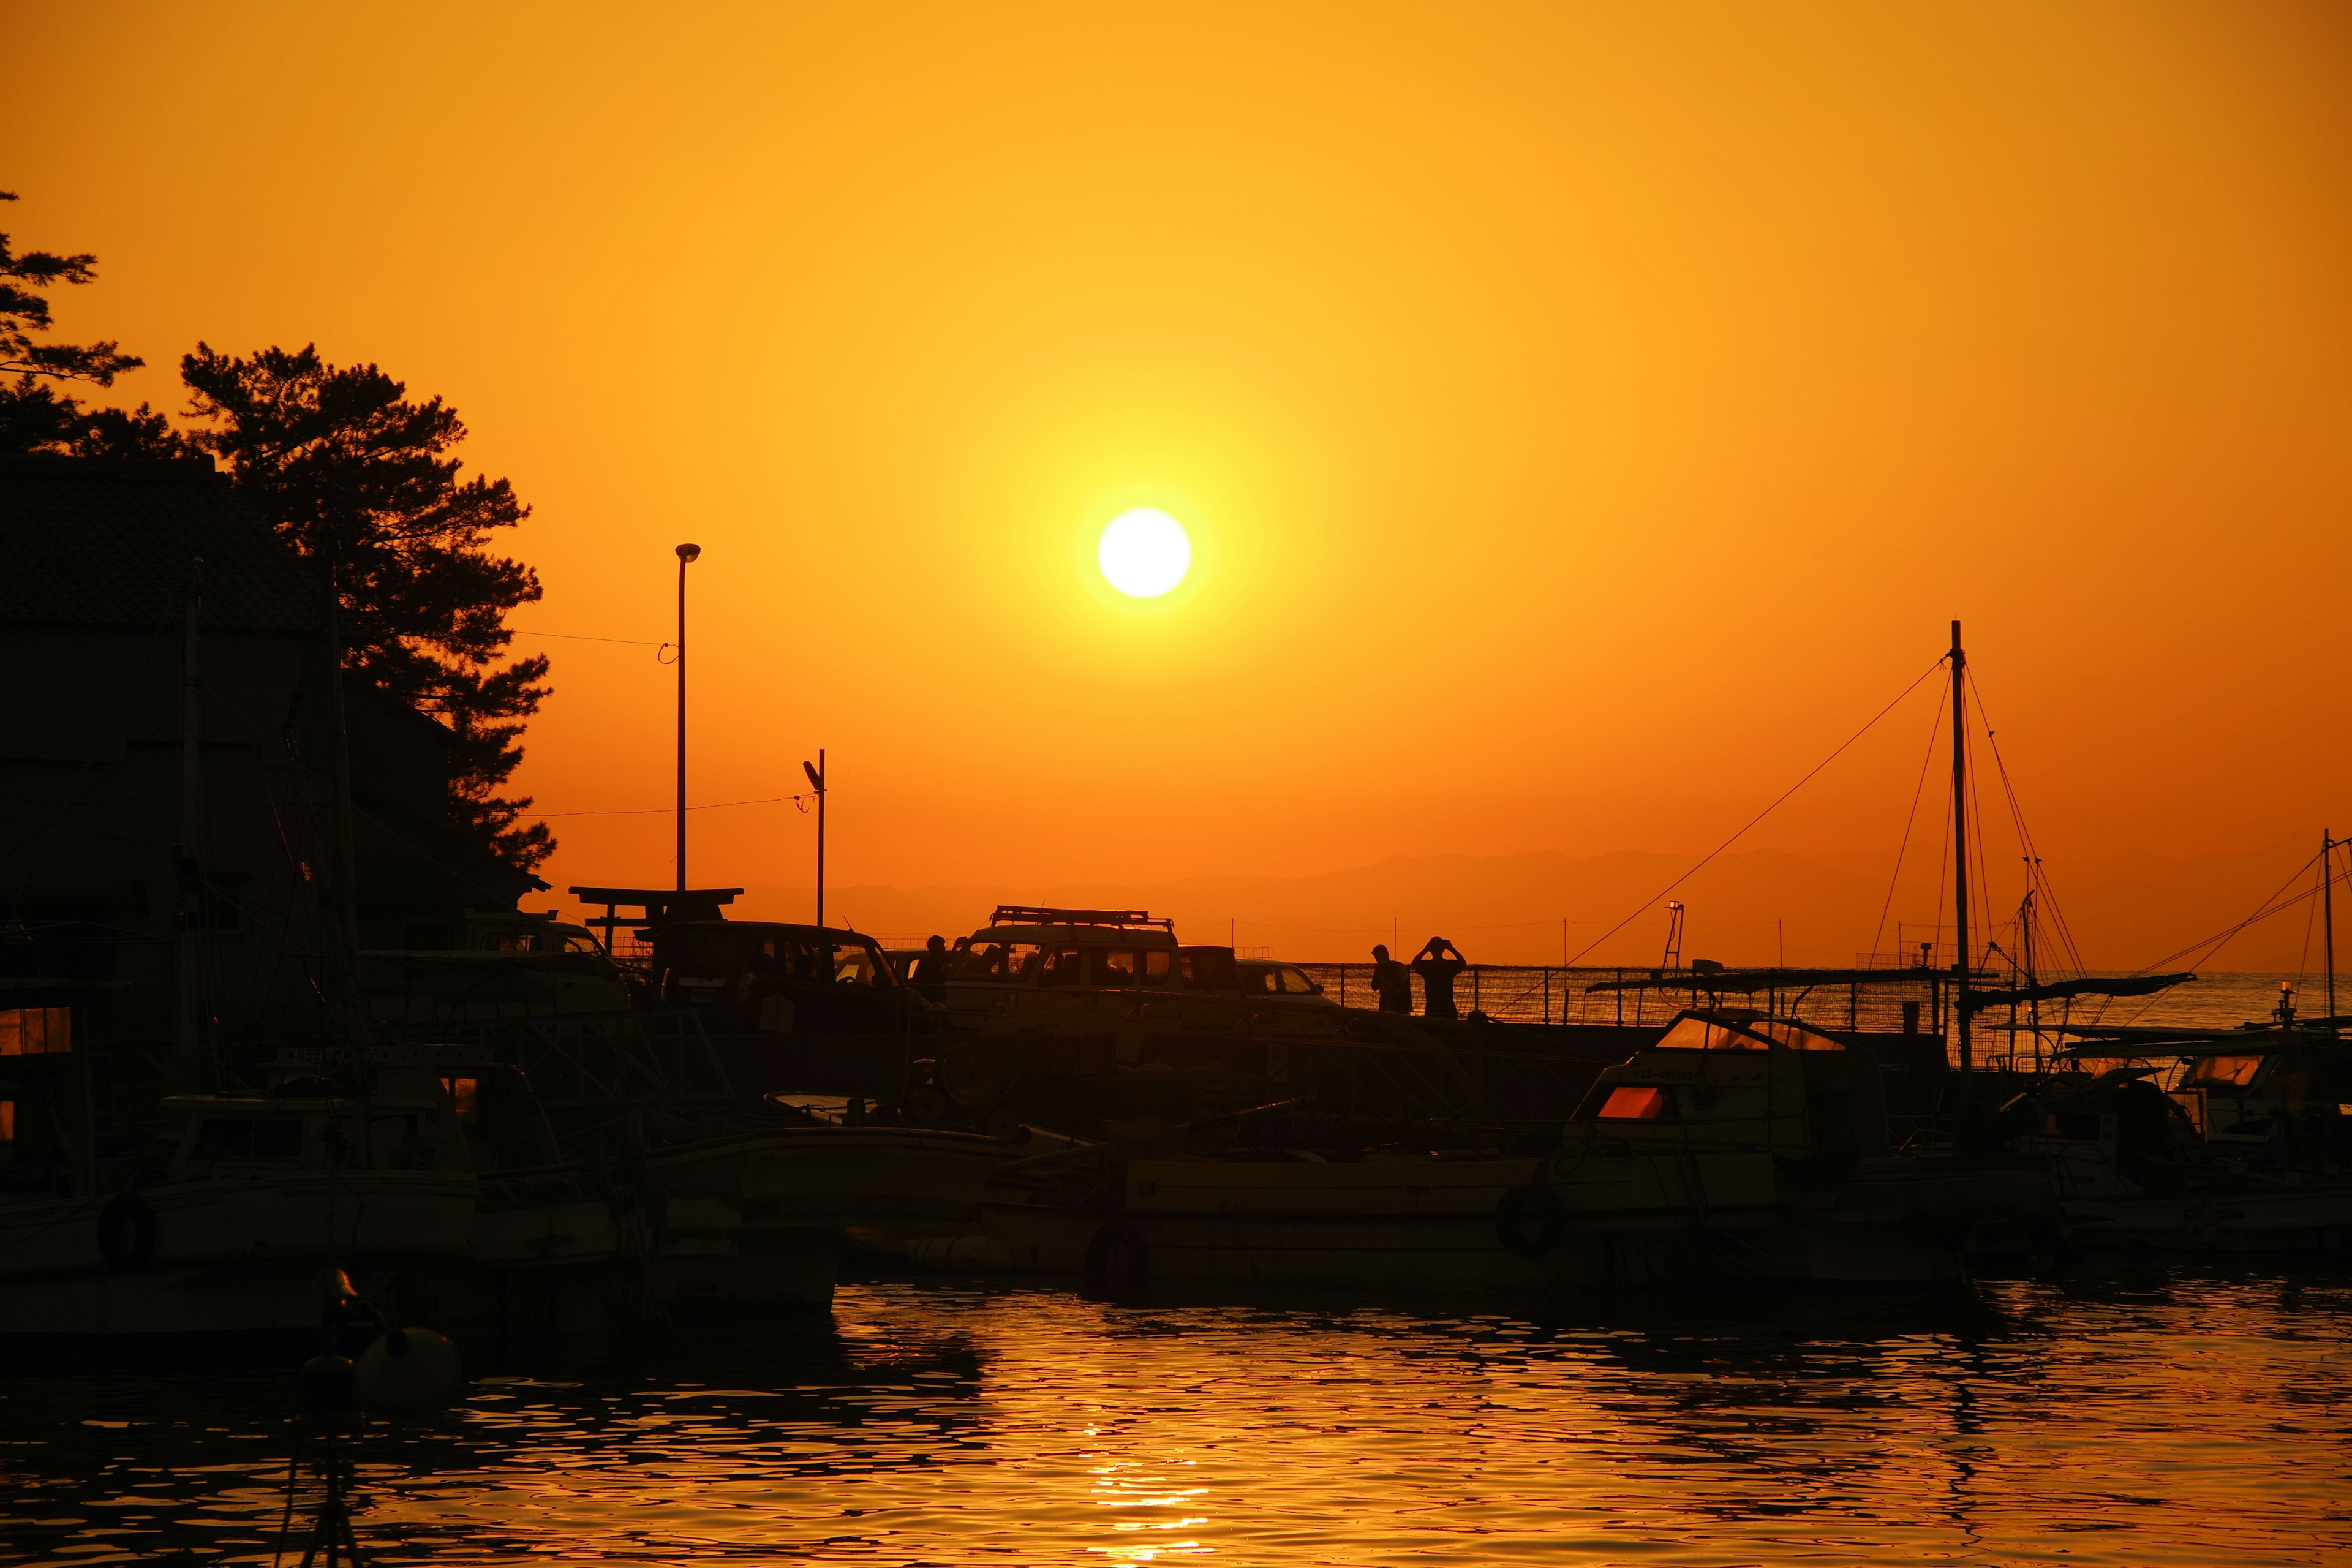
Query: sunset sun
[{"x": 1144, "y": 553}]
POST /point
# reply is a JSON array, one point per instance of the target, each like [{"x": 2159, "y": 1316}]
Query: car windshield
[
  {"x": 855, "y": 963},
  {"x": 1007, "y": 963},
  {"x": 1295, "y": 982}
]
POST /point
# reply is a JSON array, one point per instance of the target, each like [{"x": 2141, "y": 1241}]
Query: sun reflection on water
[{"x": 2168, "y": 1421}]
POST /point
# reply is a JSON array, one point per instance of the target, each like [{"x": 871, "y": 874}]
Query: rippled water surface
[{"x": 2160, "y": 1420}]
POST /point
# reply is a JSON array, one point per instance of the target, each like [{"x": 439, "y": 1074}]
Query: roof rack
[{"x": 1036, "y": 915}]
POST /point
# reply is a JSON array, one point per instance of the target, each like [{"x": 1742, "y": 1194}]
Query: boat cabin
[
  {"x": 1721, "y": 1079},
  {"x": 2274, "y": 1096},
  {"x": 256, "y": 1135}
]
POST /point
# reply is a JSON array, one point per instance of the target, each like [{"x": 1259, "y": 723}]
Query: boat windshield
[
  {"x": 1701, "y": 1035},
  {"x": 2221, "y": 1072},
  {"x": 1796, "y": 1037},
  {"x": 1633, "y": 1102}
]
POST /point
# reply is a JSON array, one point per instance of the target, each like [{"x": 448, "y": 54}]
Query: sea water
[{"x": 2169, "y": 1417}]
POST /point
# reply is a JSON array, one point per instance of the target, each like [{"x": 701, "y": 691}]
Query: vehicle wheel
[
  {"x": 1119, "y": 1260},
  {"x": 1531, "y": 1222},
  {"x": 126, "y": 1232}
]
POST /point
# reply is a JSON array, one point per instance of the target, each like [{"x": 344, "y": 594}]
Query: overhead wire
[{"x": 665, "y": 810}]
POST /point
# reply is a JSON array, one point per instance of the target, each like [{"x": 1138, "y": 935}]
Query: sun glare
[{"x": 1144, "y": 553}]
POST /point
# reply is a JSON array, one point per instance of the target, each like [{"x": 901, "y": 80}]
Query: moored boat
[{"x": 1736, "y": 1149}]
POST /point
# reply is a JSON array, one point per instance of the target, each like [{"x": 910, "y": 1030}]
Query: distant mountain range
[{"x": 1746, "y": 907}]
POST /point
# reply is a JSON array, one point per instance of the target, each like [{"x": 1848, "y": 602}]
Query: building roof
[{"x": 88, "y": 542}]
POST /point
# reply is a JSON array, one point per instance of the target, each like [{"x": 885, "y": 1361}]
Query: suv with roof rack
[{"x": 1034, "y": 969}]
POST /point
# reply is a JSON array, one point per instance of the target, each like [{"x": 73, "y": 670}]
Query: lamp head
[{"x": 689, "y": 551}]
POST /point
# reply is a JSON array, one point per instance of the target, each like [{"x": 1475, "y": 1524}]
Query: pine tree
[
  {"x": 353, "y": 474},
  {"x": 36, "y": 416}
]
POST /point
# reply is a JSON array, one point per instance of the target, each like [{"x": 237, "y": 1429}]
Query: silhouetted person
[
  {"x": 1438, "y": 963},
  {"x": 1392, "y": 982},
  {"x": 931, "y": 964}
]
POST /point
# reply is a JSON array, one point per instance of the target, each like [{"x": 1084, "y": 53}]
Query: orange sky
[{"x": 1585, "y": 417}]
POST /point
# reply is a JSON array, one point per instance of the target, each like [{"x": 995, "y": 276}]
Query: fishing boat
[
  {"x": 764, "y": 1214},
  {"x": 2243, "y": 1145},
  {"x": 1736, "y": 1149},
  {"x": 252, "y": 1196}
]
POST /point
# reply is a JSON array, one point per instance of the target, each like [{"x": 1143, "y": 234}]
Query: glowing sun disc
[{"x": 1144, "y": 553}]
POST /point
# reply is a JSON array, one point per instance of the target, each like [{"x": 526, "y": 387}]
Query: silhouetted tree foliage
[
  {"x": 349, "y": 471},
  {"x": 352, "y": 473},
  {"x": 36, "y": 416}
]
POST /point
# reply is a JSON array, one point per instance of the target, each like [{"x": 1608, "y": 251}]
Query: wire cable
[
  {"x": 665, "y": 810},
  {"x": 1917, "y": 791},
  {"x": 1760, "y": 816}
]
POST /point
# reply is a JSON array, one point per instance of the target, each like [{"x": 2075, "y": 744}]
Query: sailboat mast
[
  {"x": 1961, "y": 850},
  {"x": 2328, "y": 909}
]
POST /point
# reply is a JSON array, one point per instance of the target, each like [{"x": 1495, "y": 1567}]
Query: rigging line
[
  {"x": 2303, "y": 959},
  {"x": 2220, "y": 939},
  {"x": 2025, "y": 835},
  {"x": 665, "y": 810},
  {"x": 1760, "y": 816},
  {"x": 1934, "y": 727},
  {"x": 1983, "y": 873},
  {"x": 1943, "y": 878}
]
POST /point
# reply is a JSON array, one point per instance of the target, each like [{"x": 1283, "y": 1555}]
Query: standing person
[
  {"x": 1438, "y": 963},
  {"x": 932, "y": 963},
  {"x": 1393, "y": 981}
]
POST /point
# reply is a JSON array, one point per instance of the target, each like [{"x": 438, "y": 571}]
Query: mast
[
  {"x": 1961, "y": 853},
  {"x": 2327, "y": 910}
]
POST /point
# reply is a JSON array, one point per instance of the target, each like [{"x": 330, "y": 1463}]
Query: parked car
[
  {"x": 743, "y": 976},
  {"x": 1284, "y": 984}
]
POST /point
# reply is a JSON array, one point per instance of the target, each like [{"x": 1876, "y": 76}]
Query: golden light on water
[{"x": 1144, "y": 553}]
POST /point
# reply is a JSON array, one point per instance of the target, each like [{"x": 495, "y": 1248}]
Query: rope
[
  {"x": 1909, "y": 818},
  {"x": 1760, "y": 816}
]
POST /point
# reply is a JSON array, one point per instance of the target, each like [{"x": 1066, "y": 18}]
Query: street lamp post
[{"x": 686, "y": 553}]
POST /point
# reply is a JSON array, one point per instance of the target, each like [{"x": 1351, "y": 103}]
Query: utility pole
[
  {"x": 1960, "y": 1017},
  {"x": 347, "y": 876},
  {"x": 815, "y": 772},
  {"x": 188, "y": 1033},
  {"x": 686, "y": 555}
]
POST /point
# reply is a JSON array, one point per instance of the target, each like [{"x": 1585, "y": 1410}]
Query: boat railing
[{"x": 1898, "y": 1002}]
